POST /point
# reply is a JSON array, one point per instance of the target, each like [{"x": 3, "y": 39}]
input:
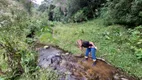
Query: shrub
[
  {"x": 126, "y": 12},
  {"x": 74, "y": 10},
  {"x": 79, "y": 16},
  {"x": 136, "y": 41}
]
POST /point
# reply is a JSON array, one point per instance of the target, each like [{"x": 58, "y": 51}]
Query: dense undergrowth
[
  {"x": 18, "y": 30},
  {"x": 18, "y": 56},
  {"x": 118, "y": 45}
]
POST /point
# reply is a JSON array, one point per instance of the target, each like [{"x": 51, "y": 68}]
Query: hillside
[{"x": 112, "y": 42}]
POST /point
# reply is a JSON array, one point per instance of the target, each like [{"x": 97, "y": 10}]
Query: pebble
[
  {"x": 46, "y": 47},
  {"x": 116, "y": 77},
  {"x": 124, "y": 79}
]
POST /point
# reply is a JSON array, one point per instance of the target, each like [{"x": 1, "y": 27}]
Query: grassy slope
[{"x": 112, "y": 43}]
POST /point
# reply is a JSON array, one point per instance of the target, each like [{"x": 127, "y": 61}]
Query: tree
[
  {"x": 127, "y": 12},
  {"x": 65, "y": 10},
  {"x": 28, "y": 4}
]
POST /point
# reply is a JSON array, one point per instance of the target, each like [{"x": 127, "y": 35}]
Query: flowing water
[{"x": 70, "y": 67}]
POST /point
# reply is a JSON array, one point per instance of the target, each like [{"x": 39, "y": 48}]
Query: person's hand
[{"x": 80, "y": 48}]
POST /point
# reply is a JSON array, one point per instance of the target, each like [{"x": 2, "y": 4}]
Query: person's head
[{"x": 79, "y": 42}]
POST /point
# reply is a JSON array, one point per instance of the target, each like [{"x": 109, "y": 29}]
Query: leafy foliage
[
  {"x": 79, "y": 16},
  {"x": 66, "y": 10},
  {"x": 136, "y": 41},
  {"x": 127, "y": 12},
  {"x": 28, "y": 4},
  {"x": 87, "y": 8},
  {"x": 17, "y": 54}
]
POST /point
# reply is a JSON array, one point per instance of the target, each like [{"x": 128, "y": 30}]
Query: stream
[{"x": 71, "y": 67}]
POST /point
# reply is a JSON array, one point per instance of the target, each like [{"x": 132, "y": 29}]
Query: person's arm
[
  {"x": 80, "y": 48},
  {"x": 79, "y": 44},
  {"x": 93, "y": 44}
]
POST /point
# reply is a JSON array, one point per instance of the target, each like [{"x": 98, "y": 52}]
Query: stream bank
[{"x": 70, "y": 67}]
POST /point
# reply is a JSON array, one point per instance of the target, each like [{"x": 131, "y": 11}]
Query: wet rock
[
  {"x": 63, "y": 62},
  {"x": 67, "y": 53},
  {"x": 79, "y": 55},
  {"x": 70, "y": 77},
  {"x": 61, "y": 69},
  {"x": 116, "y": 76},
  {"x": 46, "y": 47},
  {"x": 68, "y": 72},
  {"x": 124, "y": 79}
]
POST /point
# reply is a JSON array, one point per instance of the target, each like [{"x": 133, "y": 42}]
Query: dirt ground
[{"x": 104, "y": 71}]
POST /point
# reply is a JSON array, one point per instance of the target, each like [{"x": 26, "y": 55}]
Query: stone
[
  {"x": 63, "y": 63},
  {"x": 67, "y": 53},
  {"x": 116, "y": 77},
  {"x": 124, "y": 79},
  {"x": 46, "y": 47}
]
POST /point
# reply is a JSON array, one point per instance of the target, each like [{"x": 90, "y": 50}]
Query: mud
[{"x": 70, "y": 67}]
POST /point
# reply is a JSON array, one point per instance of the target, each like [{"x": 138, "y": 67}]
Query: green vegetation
[
  {"x": 71, "y": 11},
  {"x": 114, "y": 42},
  {"x": 126, "y": 12},
  {"x": 115, "y": 29},
  {"x": 18, "y": 30}
]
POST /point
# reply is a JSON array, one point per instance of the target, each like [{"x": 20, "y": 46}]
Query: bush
[
  {"x": 58, "y": 14},
  {"x": 136, "y": 41},
  {"x": 74, "y": 10},
  {"x": 79, "y": 16},
  {"x": 126, "y": 12}
]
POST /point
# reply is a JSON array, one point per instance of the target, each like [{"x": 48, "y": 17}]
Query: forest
[{"x": 28, "y": 30}]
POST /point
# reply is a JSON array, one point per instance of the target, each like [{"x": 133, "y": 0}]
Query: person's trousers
[{"x": 93, "y": 51}]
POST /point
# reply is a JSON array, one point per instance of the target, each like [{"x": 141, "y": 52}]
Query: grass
[
  {"x": 42, "y": 74},
  {"x": 112, "y": 42}
]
